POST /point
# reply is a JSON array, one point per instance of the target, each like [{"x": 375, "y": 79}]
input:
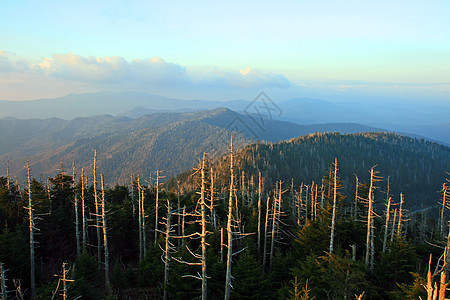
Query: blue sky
[{"x": 227, "y": 50}]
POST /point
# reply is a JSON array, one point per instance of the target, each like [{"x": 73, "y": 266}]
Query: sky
[{"x": 223, "y": 50}]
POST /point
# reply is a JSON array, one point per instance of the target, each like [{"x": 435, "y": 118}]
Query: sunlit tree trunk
[
  {"x": 157, "y": 204},
  {"x": 32, "y": 229},
  {"x": 259, "y": 212},
  {"x": 97, "y": 211},
  {"x": 265, "y": 233},
  {"x": 105, "y": 236},
  {"x": 355, "y": 212},
  {"x": 229, "y": 229},
  {"x": 369, "y": 236},
  {"x": 386, "y": 226},
  {"x": 77, "y": 222},
  {"x": 444, "y": 205},
  {"x": 213, "y": 212},
  {"x": 333, "y": 216},
  {"x": 203, "y": 224},
  {"x": 400, "y": 214},
  {"x": 83, "y": 212}
]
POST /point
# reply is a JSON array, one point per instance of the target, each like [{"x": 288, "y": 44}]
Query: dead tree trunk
[
  {"x": 229, "y": 228},
  {"x": 265, "y": 233},
  {"x": 259, "y": 212},
  {"x": 203, "y": 223},
  {"x": 158, "y": 177},
  {"x": 369, "y": 238},
  {"x": 8, "y": 179},
  {"x": 83, "y": 212},
  {"x": 386, "y": 226},
  {"x": 444, "y": 206},
  {"x": 355, "y": 212},
  {"x": 97, "y": 212},
  {"x": 32, "y": 228},
  {"x": 77, "y": 222},
  {"x": 400, "y": 214},
  {"x": 333, "y": 216},
  {"x": 140, "y": 217},
  {"x": 3, "y": 290},
  {"x": 105, "y": 236},
  {"x": 213, "y": 212}
]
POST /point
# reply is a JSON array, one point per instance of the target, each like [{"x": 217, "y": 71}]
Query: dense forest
[{"x": 324, "y": 216}]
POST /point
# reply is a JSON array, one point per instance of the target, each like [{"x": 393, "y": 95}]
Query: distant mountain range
[
  {"x": 171, "y": 142},
  {"x": 430, "y": 120}
]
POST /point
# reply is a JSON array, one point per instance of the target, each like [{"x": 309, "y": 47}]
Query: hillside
[
  {"x": 168, "y": 141},
  {"x": 416, "y": 168}
]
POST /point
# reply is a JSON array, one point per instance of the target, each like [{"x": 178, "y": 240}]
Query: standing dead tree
[
  {"x": 3, "y": 289},
  {"x": 83, "y": 210},
  {"x": 370, "y": 248},
  {"x": 105, "y": 235},
  {"x": 32, "y": 228},
  {"x": 158, "y": 177},
  {"x": 199, "y": 216},
  {"x": 259, "y": 211},
  {"x": 169, "y": 247},
  {"x": 445, "y": 205},
  {"x": 333, "y": 216},
  {"x": 386, "y": 226},
  {"x": 97, "y": 211},
  {"x": 233, "y": 225},
  {"x": 64, "y": 280},
  {"x": 75, "y": 203}
]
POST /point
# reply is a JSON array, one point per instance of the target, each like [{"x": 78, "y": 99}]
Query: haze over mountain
[
  {"x": 168, "y": 141},
  {"x": 430, "y": 121}
]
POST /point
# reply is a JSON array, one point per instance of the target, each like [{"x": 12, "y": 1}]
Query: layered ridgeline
[
  {"x": 167, "y": 141},
  {"x": 416, "y": 168}
]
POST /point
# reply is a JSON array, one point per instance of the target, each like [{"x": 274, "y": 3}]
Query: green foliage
[
  {"x": 249, "y": 281},
  {"x": 411, "y": 291},
  {"x": 396, "y": 266},
  {"x": 332, "y": 276}
]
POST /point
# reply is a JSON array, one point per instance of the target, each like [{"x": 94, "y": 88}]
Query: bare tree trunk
[
  {"x": 140, "y": 217},
  {"x": 213, "y": 212},
  {"x": 221, "y": 245},
  {"x": 167, "y": 249},
  {"x": 77, "y": 223},
  {"x": 265, "y": 233},
  {"x": 400, "y": 213},
  {"x": 83, "y": 215},
  {"x": 157, "y": 205},
  {"x": 393, "y": 226},
  {"x": 259, "y": 213},
  {"x": 355, "y": 212},
  {"x": 229, "y": 229},
  {"x": 178, "y": 210},
  {"x": 8, "y": 180},
  {"x": 276, "y": 212},
  {"x": 333, "y": 216},
  {"x": 369, "y": 237},
  {"x": 203, "y": 223},
  {"x": 386, "y": 226},
  {"x": 32, "y": 228},
  {"x": 105, "y": 236},
  {"x": 3, "y": 290},
  {"x": 444, "y": 204},
  {"x": 97, "y": 212},
  {"x": 144, "y": 236}
]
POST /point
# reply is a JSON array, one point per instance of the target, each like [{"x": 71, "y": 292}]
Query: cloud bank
[
  {"x": 61, "y": 74},
  {"x": 118, "y": 73}
]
